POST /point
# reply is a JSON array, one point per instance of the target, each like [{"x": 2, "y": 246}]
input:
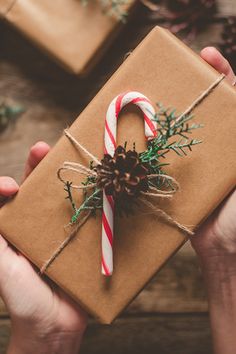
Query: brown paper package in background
[
  {"x": 165, "y": 70},
  {"x": 76, "y": 36}
]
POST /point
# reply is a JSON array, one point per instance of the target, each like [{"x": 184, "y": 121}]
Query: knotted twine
[{"x": 81, "y": 169}]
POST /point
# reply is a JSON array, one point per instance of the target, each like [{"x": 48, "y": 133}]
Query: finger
[
  {"x": 37, "y": 153},
  {"x": 213, "y": 57},
  {"x": 3, "y": 244},
  {"x": 8, "y": 187}
]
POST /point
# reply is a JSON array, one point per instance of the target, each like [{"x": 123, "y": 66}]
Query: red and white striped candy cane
[{"x": 110, "y": 145}]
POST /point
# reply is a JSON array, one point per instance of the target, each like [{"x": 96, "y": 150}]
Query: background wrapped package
[
  {"x": 33, "y": 221},
  {"x": 73, "y": 34}
]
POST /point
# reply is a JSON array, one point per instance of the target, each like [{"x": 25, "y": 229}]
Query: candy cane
[{"x": 110, "y": 145}]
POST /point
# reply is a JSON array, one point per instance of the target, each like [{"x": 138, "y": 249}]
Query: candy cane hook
[{"x": 110, "y": 145}]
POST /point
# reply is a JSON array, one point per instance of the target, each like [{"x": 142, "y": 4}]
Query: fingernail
[
  {"x": 8, "y": 186},
  {"x": 8, "y": 182}
]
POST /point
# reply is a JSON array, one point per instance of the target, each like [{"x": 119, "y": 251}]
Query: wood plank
[
  {"x": 4, "y": 335},
  {"x": 156, "y": 334},
  {"x": 162, "y": 334}
]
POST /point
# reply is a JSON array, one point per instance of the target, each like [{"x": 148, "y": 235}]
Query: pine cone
[
  {"x": 123, "y": 176},
  {"x": 189, "y": 16},
  {"x": 228, "y": 46}
]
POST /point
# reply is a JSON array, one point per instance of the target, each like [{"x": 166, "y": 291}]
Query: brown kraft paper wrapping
[
  {"x": 165, "y": 70},
  {"x": 74, "y": 35}
]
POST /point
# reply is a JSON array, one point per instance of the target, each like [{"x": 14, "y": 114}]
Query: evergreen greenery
[
  {"x": 169, "y": 127},
  {"x": 8, "y": 113},
  {"x": 112, "y": 8}
]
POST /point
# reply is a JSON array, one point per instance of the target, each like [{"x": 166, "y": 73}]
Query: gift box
[
  {"x": 165, "y": 70},
  {"x": 74, "y": 34}
]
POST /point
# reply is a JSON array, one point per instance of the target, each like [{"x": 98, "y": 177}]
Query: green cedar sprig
[
  {"x": 112, "y": 8},
  {"x": 169, "y": 127},
  {"x": 92, "y": 200},
  {"x": 67, "y": 189},
  {"x": 8, "y": 112}
]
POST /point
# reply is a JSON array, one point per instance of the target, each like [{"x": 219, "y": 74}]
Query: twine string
[
  {"x": 166, "y": 217},
  {"x": 78, "y": 165},
  {"x": 67, "y": 240},
  {"x": 157, "y": 195},
  {"x": 78, "y": 170},
  {"x": 81, "y": 147},
  {"x": 81, "y": 169},
  {"x": 201, "y": 97}
]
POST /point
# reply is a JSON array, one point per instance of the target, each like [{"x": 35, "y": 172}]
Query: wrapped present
[
  {"x": 74, "y": 32},
  {"x": 71, "y": 239}
]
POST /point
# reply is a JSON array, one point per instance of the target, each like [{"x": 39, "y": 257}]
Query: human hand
[
  {"x": 44, "y": 319},
  {"x": 215, "y": 244},
  {"x": 216, "y": 238}
]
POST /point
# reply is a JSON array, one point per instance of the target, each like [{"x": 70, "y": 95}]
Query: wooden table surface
[{"x": 170, "y": 314}]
